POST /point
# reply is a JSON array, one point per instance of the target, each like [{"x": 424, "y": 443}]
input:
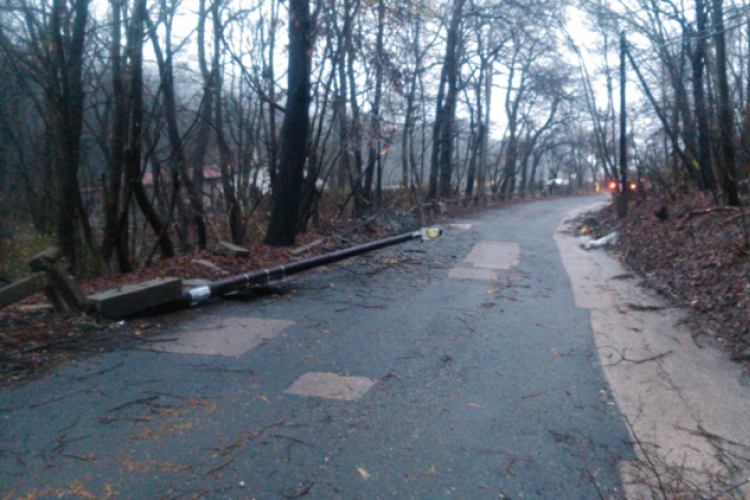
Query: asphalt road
[{"x": 454, "y": 369}]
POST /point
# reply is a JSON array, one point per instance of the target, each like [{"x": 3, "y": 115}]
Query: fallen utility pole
[{"x": 260, "y": 277}]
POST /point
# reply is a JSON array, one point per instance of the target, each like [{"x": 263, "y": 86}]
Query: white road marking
[
  {"x": 230, "y": 336},
  {"x": 494, "y": 255},
  {"x": 331, "y": 386}
]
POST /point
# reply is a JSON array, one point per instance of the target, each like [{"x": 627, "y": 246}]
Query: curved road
[{"x": 454, "y": 369}]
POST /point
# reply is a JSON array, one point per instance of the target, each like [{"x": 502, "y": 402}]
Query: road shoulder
[{"x": 680, "y": 395}]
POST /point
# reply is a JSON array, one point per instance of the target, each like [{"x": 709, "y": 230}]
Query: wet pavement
[{"x": 460, "y": 368}]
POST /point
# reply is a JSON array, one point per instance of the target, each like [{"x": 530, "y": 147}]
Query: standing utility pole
[{"x": 622, "y": 198}]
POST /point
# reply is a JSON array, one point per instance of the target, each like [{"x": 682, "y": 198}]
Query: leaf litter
[{"x": 698, "y": 258}]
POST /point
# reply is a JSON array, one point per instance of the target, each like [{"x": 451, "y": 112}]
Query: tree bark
[
  {"x": 116, "y": 234},
  {"x": 442, "y": 153},
  {"x": 67, "y": 101},
  {"x": 133, "y": 172},
  {"x": 408, "y": 129},
  {"x": 178, "y": 158},
  {"x": 622, "y": 198},
  {"x": 512, "y": 107},
  {"x": 373, "y": 153},
  {"x": 708, "y": 181},
  {"x": 726, "y": 120},
  {"x": 284, "y": 222},
  {"x": 483, "y": 146},
  {"x": 476, "y": 138},
  {"x": 350, "y": 7},
  {"x": 531, "y": 142},
  {"x": 344, "y": 169},
  {"x": 228, "y": 176}
]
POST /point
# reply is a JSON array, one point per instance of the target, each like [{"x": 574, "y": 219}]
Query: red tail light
[{"x": 612, "y": 185}]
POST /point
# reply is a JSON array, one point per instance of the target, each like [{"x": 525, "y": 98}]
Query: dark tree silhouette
[{"x": 287, "y": 188}]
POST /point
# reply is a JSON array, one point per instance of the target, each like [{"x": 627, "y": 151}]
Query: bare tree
[
  {"x": 442, "y": 147},
  {"x": 46, "y": 46},
  {"x": 284, "y": 222},
  {"x": 728, "y": 167},
  {"x": 696, "y": 108},
  {"x": 133, "y": 157},
  {"x": 179, "y": 164}
]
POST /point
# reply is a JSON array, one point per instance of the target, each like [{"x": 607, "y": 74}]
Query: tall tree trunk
[
  {"x": 698, "y": 59},
  {"x": 318, "y": 143},
  {"x": 228, "y": 175},
  {"x": 273, "y": 148},
  {"x": 67, "y": 101},
  {"x": 204, "y": 126},
  {"x": 116, "y": 234},
  {"x": 284, "y": 222},
  {"x": 178, "y": 160},
  {"x": 512, "y": 106},
  {"x": 476, "y": 138},
  {"x": 744, "y": 171},
  {"x": 133, "y": 171},
  {"x": 340, "y": 111},
  {"x": 483, "y": 146},
  {"x": 726, "y": 120},
  {"x": 452, "y": 60},
  {"x": 350, "y": 8},
  {"x": 442, "y": 153},
  {"x": 531, "y": 142},
  {"x": 526, "y": 149},
  {"x": 408, "y": 130},
  {"x": 373, "y": 153},
  {"x": 622, "y": 198},
  {"x": 432, "y": 190},
  {"x": 511, "y": 159},
  {"x": 538, "y": 154}
]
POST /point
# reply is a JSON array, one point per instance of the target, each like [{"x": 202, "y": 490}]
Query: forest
[{"x": 134, "y": 130}]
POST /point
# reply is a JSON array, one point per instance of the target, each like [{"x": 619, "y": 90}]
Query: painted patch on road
[
  {"x": 494, "y": 255},
  {"x": 232, "y": 336},
  {"x": 331, "y": 386},
  {"x": 462, "y": 227},
  {"x": 471, "y": 273}
]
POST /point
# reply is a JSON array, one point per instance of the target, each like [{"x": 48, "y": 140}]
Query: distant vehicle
[{"x": 614, "y": 186}]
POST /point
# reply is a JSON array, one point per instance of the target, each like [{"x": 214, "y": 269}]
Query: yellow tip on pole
[{"x": 434, "y": 232}]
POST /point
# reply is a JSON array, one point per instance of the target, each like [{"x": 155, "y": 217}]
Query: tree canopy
[{"x": 136, "y": 129}]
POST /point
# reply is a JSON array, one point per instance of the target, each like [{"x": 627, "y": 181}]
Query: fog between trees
[{"x": 140, "y": 128}]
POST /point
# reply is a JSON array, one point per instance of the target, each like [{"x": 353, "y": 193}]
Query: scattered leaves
[
  {"x": 693, "y": 259},
  {"x": 363, "y": 473}
]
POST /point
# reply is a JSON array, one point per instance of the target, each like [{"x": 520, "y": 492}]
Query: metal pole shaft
[{"x": 233, "y": 283}]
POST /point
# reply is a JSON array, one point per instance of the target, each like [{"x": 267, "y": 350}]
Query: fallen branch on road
[
  {"x": 623, "y": 358},
  {"x": 705, "y": 211}
]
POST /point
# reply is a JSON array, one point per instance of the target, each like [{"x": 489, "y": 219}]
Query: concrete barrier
[{"x": 131, "y": 299}]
